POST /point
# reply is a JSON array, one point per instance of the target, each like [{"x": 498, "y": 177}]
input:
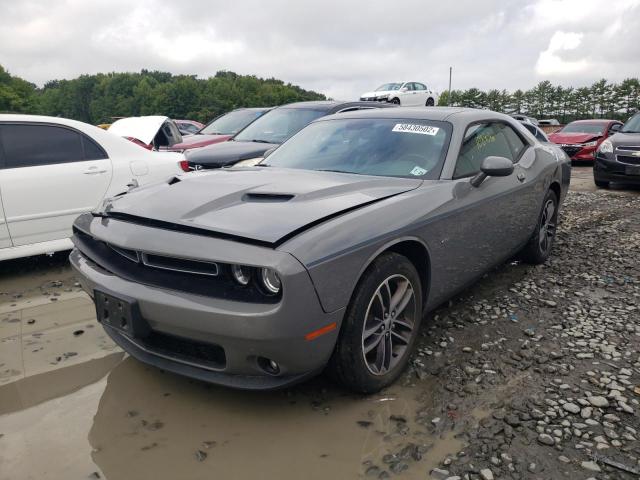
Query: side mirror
[
  {"x": 404, "y": 89},
  {"x": 493, "y": 167},
  {"x": 269, "y": 152},
  {"x": 615, "y": 128}
]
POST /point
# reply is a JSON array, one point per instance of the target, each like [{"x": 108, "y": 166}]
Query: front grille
[
  {"x": 183, "y": 349},
  {"x": 628, "y": 148},
  {"x": 168, "y": 272},
  {"x": 571, "y": 150},
  {"x": 628, "y": 159}
]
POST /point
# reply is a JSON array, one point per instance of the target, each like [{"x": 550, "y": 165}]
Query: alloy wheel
[{"x": 389, "y": 323}]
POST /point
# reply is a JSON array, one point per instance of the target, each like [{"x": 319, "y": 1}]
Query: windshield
[
  {"x": 278, "y": 125},
  {"x": 389, "y": 86},
  {"x": 386, "y": 147},
  {"x": 595, "y": 128},
  {"x": 231, "y": 123},
  {"x": 632, "y": 125}
]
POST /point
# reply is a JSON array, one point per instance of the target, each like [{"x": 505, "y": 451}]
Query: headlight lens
[
  {"x": 241, "y": 274},
  {"x": 590, "y": 144},
  {"x": 606, "y": 147},
  {"x": 270, "y": 280}
]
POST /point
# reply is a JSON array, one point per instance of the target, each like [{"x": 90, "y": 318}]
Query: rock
[
  {"x": 439, "y": 473},
  {"x": 598, "y": 401},
  {"x": 200, "y": 455},
  {"x": 486, "y": 474},
  {"x": 571, "y": 407},
  {"x": 591, "y": 466},
  {"x": 545, "y": 439},
  {"x": 586, "y": 412}
]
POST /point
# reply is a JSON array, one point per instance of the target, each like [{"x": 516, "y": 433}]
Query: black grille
[
  {"x": 187, "y": 350},
  {"x": 571, "y": 150},
  {"x": 628, "y": 148},
  {"x": 628, "y": 159},
  {"x": 219, "y": 286}
]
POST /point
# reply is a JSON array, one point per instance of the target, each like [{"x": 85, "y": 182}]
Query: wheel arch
[
  {"x": 555, "y": 188},
  {"x": 416, "y": 251}
]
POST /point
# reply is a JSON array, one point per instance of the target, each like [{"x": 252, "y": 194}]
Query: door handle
[
  {"x": 93, "y": 171},
  {"x": 521, "y": 177}
]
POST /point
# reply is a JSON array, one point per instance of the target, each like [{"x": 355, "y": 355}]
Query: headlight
[
  {"x": 270, "y": 280},
  {"x": 590, "y": 144},
  {"x": 241, "y": 274},
  {"x": 606, "y": 147}
]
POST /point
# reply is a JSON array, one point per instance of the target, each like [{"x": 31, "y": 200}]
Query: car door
[
  {"x": 52, "y": 174},
  {"x": 422, "y": 93},
  {"x": 406, "y": 93},
  {"x": 483, "y": 226}
]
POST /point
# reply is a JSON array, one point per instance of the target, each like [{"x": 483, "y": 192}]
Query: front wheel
[
  {"x": 380, "y": 326},
  {"x": 395, "y": 101},
  {"x": 539, "y": 247}
]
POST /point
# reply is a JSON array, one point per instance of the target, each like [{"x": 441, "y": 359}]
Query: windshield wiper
[
  {"x": 331, "y": 170},
  {"x": 257, "y": 140}
]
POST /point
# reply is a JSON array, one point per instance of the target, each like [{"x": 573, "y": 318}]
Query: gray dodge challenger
[{"x": 327, "y": 254}]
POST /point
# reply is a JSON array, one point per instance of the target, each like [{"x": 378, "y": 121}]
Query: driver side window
[{"x": 482, "y": 140}]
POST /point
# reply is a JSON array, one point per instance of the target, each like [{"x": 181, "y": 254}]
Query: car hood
[
  {"x": 196, "y": 141},
  {"x": 227, "y": 153},
  {"x": 142, "y": 128},
  {"x": 266, "y": 205},
  {"x": 570, "y": 138},
  {"x": 625, "y": 139}
]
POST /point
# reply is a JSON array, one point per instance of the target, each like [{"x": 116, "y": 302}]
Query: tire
[
  {"x": 430, "y": 102},
  {"x": 395, "y": 101},
  {"x": 539, "y": 246},
  {"x": 370, "y": 372},
  {"x": 600, "y": 183}
]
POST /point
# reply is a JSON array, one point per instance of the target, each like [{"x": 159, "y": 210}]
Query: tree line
[
  {"x": 101, "y": 97},
  {"x": 545, "y": 100}
]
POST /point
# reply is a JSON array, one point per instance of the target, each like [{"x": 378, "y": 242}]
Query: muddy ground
[{"x": 534, "y": 373}]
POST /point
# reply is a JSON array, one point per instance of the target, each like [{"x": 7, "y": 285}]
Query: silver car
[{"x": 327, "y": 254}]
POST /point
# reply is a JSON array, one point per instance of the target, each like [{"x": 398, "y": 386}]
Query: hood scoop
[{"x": 266, "y": 197}]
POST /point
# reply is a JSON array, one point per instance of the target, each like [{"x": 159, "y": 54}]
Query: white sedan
[
  {"x": 54, "y": 169},
  {"x": 407, "y": 94}
]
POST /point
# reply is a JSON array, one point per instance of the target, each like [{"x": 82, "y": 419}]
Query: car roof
[
  {"x": 253, "y": 109},
  {"x": 332, "y": 106},
  {"x": 444, "y": 114},
  {"x": 595, "y": 120}
]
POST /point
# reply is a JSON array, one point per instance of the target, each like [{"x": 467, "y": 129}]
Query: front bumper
[
  {"x": 243, "y": 331},
  {"x": 578, "y": 154},
  {"x": 608, "y": 170}
]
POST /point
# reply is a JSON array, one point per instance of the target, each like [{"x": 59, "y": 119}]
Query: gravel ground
[{"x": 549, "y": 354}]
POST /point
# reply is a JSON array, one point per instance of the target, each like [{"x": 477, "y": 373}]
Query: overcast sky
[{"x": 340, "y": 48}]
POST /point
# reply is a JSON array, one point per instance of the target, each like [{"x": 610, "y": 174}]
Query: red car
[
  {"x": 221, "y": 128},
  {"x": 581, "y": 139}
]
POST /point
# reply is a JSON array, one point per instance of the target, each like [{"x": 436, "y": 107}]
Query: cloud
[
  {"x": 550, "y": 62},
  {"x": 339, "y": 48}
]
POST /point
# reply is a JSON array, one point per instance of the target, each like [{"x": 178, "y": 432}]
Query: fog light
[
  {"x": 269, "y": 366},
  {"x": 270, "y": 280},
  {"x": 241, "y": 274}
]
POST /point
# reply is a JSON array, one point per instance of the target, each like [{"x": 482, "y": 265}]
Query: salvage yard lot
[{"x": 532, "y": 373}]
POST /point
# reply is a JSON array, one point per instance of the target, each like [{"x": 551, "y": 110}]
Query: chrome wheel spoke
[{"x": 389, "y": 324}]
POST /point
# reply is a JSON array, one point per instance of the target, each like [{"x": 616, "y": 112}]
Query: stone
[
  {"x": 591, "y": 466},
  {"x": 598, "y": 401}
]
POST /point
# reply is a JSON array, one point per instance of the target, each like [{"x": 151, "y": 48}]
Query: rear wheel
[
  {"x": 380, "y": 327},
  {"x": 430, "y": 102},
  {"x": 539, "y": 247},
  {"x": 395, "y": 101}
]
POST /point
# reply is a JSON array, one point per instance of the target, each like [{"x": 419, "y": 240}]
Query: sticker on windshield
[
  {"x": 418, "y": 171},
  {"x": 415, "y": 128}
]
